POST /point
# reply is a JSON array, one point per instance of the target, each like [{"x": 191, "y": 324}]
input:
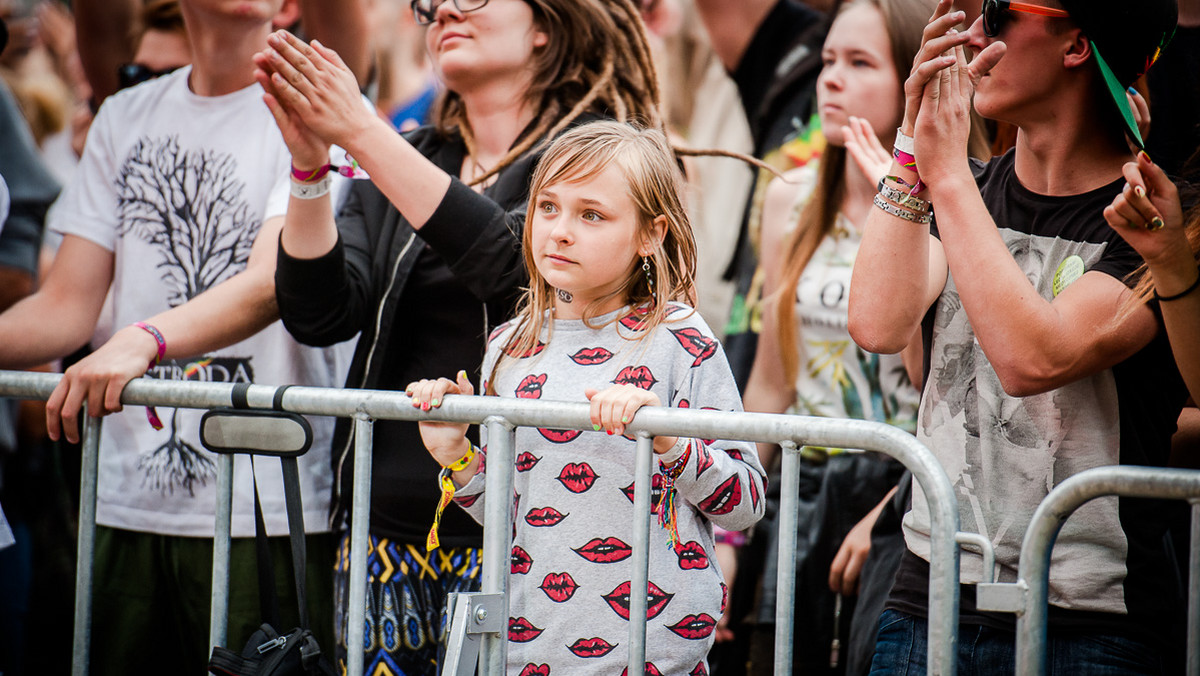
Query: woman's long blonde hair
[{"x": 655, "y": 184}]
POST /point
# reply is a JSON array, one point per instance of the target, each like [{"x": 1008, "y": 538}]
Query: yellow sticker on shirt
[{"x": 1068, "y": 271}]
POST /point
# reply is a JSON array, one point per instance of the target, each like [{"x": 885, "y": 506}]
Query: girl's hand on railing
[
  {"x": 613, "y": 408},
  {"x": 446, "y": 441},
  {"x": 99, "y": 380}
]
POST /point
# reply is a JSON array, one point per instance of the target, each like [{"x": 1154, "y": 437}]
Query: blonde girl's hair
[{"x": 655, "y": 184}]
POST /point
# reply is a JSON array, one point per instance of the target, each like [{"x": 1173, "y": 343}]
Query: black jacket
[{"x": 356, "y": 289}]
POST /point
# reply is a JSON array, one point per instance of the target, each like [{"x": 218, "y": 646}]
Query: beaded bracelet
[
  {"x": 898, "y": 212},
  {"x": 1181, "y": 294}
]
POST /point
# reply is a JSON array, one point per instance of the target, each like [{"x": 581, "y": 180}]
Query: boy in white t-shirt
[{"x": 169, "y": 206}]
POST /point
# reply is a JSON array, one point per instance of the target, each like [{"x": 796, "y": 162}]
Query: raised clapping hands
[
  {"x": 1147, "y": 214},
  {"x": 98, "y": 379},
  {"x": 938, "y": 94},
  {"x": 313, "y": 96},
  {"x": 615, "y": 407}
]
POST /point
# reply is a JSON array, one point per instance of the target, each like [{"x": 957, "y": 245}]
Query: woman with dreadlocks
[{"x": 425, "y": 258}]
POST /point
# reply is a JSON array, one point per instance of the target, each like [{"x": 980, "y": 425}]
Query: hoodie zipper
[{"x": 337, "y": 484}]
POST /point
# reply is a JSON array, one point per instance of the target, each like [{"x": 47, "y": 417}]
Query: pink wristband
[
  {"x": 158, "y": 338},
  {"x": 310, "y": 176},
  {"x": 151, "y": 414},
  {"x": 905, "y": 159}
]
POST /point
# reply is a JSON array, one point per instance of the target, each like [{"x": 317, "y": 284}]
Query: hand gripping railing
[
  {"x": 502, "y": 416},
  {"x": 1028, "y": 596}
]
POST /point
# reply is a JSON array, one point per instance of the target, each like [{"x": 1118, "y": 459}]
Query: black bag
[{"x": 267, "y": 652}]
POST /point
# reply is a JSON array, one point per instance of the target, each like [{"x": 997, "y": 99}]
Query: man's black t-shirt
[{"x": 1003, "y": 454}]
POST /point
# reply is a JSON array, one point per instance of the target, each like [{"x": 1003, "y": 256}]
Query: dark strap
[
  {"x": 268, "y": 600},
  {"x": 295, "y": 512}
]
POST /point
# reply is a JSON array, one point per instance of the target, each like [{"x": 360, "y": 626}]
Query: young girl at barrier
[{"x": 610, "y": 256}]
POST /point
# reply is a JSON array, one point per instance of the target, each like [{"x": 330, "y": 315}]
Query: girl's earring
[{"x": 649, "y": 277}]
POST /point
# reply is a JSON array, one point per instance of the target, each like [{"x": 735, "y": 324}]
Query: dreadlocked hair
[
  {"x": 655, "y": 184},
  {"x": 597, "y": 60}
]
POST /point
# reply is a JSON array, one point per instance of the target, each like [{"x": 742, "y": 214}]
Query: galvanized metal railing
[
  {"x": 502, "y": 416},
  {"x": 1028, "y": 596}
]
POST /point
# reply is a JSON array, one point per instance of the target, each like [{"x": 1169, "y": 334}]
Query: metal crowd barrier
[
  {"x": 1027, "y": 597},
  {"x": 503, "y": 416}
]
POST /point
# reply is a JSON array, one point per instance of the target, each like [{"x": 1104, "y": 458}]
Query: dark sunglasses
[
  {"x": 425, "y": 11},
  {"x": 995, "y": 13},
  {"x": 132, "y": 74}
]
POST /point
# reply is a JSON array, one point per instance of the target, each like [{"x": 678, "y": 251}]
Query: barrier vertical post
[
  {"x": 1193, "y": 608},
  {"x": 218, "y": 621},
  {"x": 360, "y": 514},
  {"x": 640, "y": 578},
  {"x": 86, "y": 548},
  {"x": 785, "y": 583},
  {"x": 497, "y": 535}
]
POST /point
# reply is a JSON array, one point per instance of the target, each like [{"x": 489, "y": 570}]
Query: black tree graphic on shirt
[{"x": 189, "y": 205}]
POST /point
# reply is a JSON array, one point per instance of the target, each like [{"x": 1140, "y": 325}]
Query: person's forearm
[
  {"x": 1181, "y": 317},
  {"x": 341, "y": 25},
  {"x": 103, "y": 40},
  {"x": 891, "y": 283},
  {"x": 38, "y": 330},
  {"x": 1033, "y": 344},
  {"x": 228, "y": 313},
  {"x": 413, "y": 184},
  {"x": 309, "y": 228}
]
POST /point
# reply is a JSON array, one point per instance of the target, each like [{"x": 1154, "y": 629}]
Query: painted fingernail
[
  {"x": 1156, "y": 223},
  {"x": 625, "y": 419},
  {"x": 436, "y": 402},
  {"x": 1146, "y": 156},
  {"x": 595, "y": 427},
  {"x": 610, "y": 433},
  {"x": 425, "y": 406},
  {"x": 1139, "y": 191},
  {"x": 462, "y": 373}
]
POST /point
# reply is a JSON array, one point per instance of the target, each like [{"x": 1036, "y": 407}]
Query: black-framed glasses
[
  {"x": 995, "y": 13},
  {"x": 131, "y": 74},
  {"x": 425, "y": 11}
]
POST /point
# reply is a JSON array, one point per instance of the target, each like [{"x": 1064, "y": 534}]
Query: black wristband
[{"x": 1181, "y": 294}]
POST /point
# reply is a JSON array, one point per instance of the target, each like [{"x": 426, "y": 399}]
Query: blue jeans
[{"x": 902, "y": 646}]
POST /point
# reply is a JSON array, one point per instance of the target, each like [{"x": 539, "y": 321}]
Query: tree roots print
[
  {"x": 176, "y": 464},
  {"x": 189, "y": 205}
]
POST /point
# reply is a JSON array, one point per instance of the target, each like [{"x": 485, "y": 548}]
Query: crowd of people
[{"x": 973, "y": 220}]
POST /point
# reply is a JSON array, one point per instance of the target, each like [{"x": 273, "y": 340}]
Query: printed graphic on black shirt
[{"x": 189, "y": 205}]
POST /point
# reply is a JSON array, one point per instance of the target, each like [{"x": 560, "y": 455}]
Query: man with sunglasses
[{"x": 1036, "y": 366}]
